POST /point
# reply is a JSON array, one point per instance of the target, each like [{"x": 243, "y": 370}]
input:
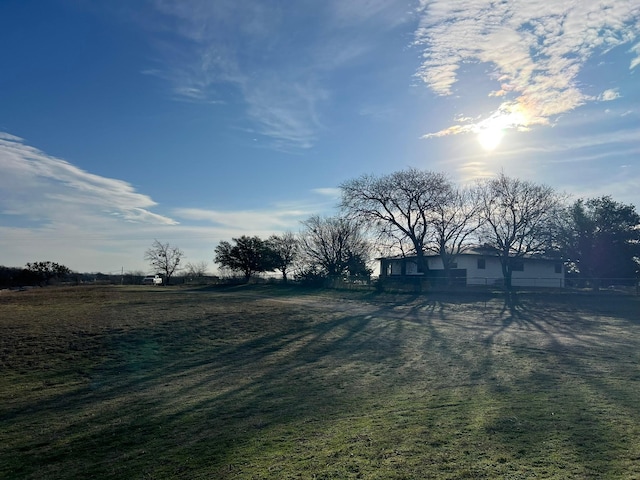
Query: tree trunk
[{"x": 507, "y": 274}]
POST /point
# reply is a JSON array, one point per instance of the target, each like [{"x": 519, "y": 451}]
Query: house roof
[{"x": 474, "y": 252}]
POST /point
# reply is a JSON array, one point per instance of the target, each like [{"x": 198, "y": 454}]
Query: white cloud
[
  {"x": 53, "y": 210},
  {"x": 330, "y": 192},
  {"x": 537, "y": 50},
  {"x": 287, "y": 113},
  {"x": 278, "y": 58},
  {"x": 609, "y": 95},
  {"x": 636, "y": 60},
  {"x": 253, "y": 221},
  {"x": 37, "y": 185},
  {"x": 382, "y": 13}
]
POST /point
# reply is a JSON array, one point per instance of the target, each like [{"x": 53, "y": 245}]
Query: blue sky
[{"x": 196, "y": 121}]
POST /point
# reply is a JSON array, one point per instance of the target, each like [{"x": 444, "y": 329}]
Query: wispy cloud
[
  {"x": 37, "y": 185},
  {"x": 331, "y": 192},
  {"x": 536, "y": 49},
  {"x": 252, "y": 221},
  {"x": 51, "y": 209},
  {"x": 275, "y": 58}
]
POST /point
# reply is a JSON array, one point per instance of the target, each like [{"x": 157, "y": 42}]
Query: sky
[{"x": 197, "y": 121}]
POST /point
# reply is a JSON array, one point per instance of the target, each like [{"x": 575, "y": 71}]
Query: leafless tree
[
  {"x": 164, "y": 258},
  {"x": 517, "y": 219},
  {"x": 284, "y": 249},
  {"x": 197, "y": 269},
  {"x": 334, "y": 245},
  {"x": 399, "y": 206},
  {"x": 454, "y": 221}
]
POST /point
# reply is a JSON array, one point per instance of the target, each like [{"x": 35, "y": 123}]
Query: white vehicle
[{"x": 152, "y": 280}]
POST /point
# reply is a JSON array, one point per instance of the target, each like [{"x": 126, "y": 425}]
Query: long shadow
[
  {"x": 574, "y": 356},
  {"x": 214, "y": 393},
  {"x": 269, "y": 377}
]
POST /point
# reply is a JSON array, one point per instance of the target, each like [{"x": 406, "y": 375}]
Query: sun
[
  {"x": 490, "y": 131},
  {"x": 490, "y": 137}
]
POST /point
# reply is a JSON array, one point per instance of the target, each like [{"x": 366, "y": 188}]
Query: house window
[
  {"x": 558, "y": 268},
  {"x": 517, "y": 266},
  {"x": 482, "y": 264}
]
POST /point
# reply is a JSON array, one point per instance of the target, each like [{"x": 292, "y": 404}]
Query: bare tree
[
  {"x": 164, "y": 258},
  {"x": 454, "y": 222},
  {"x": 334, "y": 246},
  {"x": 284, "y": 249},
  {"x": 399, "y": 206},
  {"x": 196, "y": 270},
  {"x": 517, "y": 219}
]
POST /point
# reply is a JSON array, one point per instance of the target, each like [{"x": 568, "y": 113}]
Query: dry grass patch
[{"x": 261, "y": 382}]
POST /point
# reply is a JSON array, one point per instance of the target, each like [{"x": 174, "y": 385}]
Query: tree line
[
  {"x": 34, "y": 273},
  {"x": 325, "y": 247},
  {"x": 419, "y": 212}
]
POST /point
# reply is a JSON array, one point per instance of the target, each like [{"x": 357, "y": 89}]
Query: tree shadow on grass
[
  {"x": 574, "y": 389},
  {"x": 206, "y": 389},
  {"x": 218, "y": 380}
]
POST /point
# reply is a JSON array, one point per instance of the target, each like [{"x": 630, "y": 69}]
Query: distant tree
[
  {"x": 248, "y": 255},
  {"x": 358, "y": 267},
  {"x": 8, "y": 276},
  {"x": 333, "y": 246},
  {"x": 44, "y": 272},
  {"x": 518, "y": 219},
  {"x": 284, "y": 250},
  {"x": 164, "y": 258},
  {"x": 601, "y": 239},
  {"x": 14, "y": 277},
  {"x": 399, "y": 207},
  {"x": 197, "y": 269},
  {"x": 133, "y": 277}
]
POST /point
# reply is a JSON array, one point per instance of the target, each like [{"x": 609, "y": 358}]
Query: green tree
[
  {"x": 44, "y": 272},
  {"x": 601, "y": 239},
  {"x": 248, "y": 255}
]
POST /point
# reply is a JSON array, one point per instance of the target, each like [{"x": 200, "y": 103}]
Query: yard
[{"x": 265, "y": 382}]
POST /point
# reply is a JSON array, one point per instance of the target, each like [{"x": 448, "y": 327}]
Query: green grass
[{"x": 272, "y": 383}]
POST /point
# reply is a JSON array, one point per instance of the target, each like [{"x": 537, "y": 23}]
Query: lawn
[{"x": 263, "y": 382}]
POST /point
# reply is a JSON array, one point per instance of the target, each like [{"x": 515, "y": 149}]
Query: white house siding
[
  {"x": 536, "y": 273},
  {"x": 491, "y": 274}
]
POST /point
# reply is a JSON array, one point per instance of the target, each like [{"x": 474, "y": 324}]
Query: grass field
[{"x": 264, "y": 382}]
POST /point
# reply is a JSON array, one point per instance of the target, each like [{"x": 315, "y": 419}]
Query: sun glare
[
  {"x": 490, "y": 137},
  {"x": 491, "y": 130}
]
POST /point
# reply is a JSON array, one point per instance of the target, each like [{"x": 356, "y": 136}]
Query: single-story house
[{"x": 479, "y": 268}]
